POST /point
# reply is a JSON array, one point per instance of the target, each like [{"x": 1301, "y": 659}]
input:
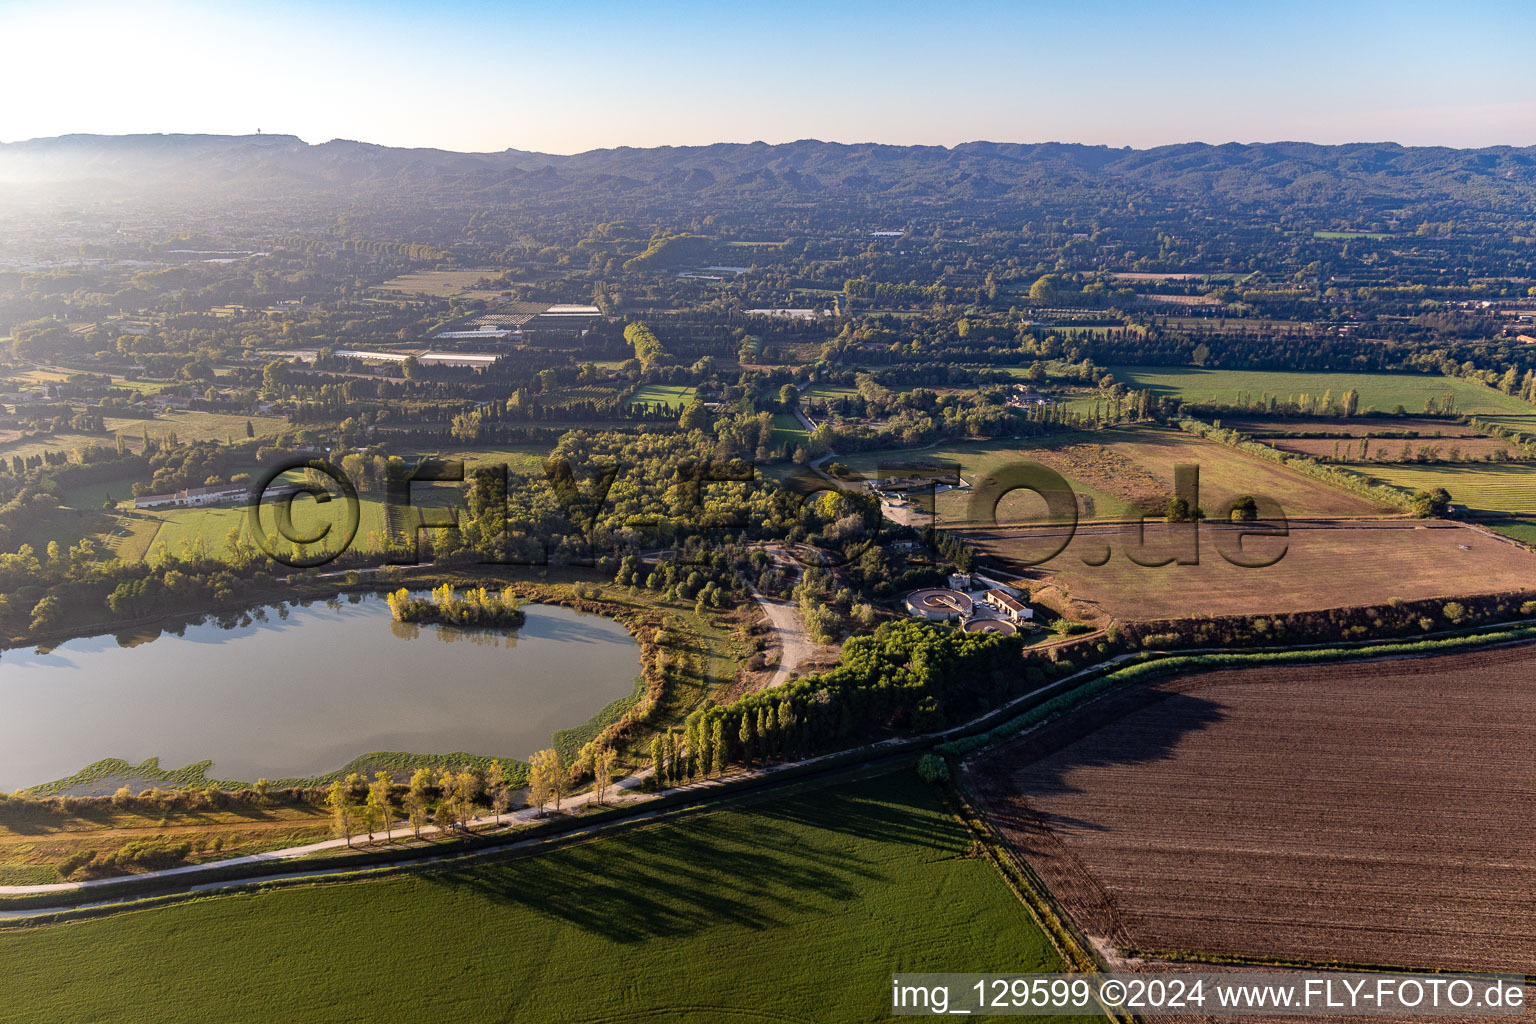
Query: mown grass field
[
  {"x": 1381, "y": 391},
  {"x": 1486, "y": 487},
  {"x": 12, "y": 444},
  {"x": 518, "y": 458},
  {"x": 193, "y": 425},
  {"x": 187, "y": 426},
  {"x": 795, "y": 910},
  {"x": 1375, "y": 236},
  {"x": 440, "y": 283},
  {"x": 131, "y": 534},
  {"x": 675, "y": 395},
  {"x": 181, "y": 527},
  {"x": 827, "y": 392},
  {"x": 786, "y": 427}
]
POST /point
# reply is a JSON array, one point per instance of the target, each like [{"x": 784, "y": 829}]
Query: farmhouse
[
  {"x": 192, "y": 497},
  {"x": 1007, "y": 605}
]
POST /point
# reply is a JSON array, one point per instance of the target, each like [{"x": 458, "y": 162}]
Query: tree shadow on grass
[{"x": 755, "y": 869}]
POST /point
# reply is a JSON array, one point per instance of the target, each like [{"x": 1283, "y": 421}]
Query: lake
[{"x": 304, "y": 689}]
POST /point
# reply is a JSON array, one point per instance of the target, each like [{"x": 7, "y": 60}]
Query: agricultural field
[
  {"x": 1267, "y": 428},
  {"x": 132, "y": 534},
  {"x": 675, "y": 395},
  {"x": 1120, "y": 471},
  {"x": 1380, "y": 391},
  {"x": 12, "y": 443},
  {"x": 1365, "y": 813},
  {"x": 1523, "y": 530},
  {"x": 1392, "y": 449},
  {"x": 1071, "y": 455},
  {"x": 1321, "y": 565},
  {"x": 192, "y": 425},
  {"x": 568, "y": 398},
  {"x": 186, "y": 425},
  {"x": 438, "y": 283},
  {"x": 827, "y": 392},
  {"x": 1375, "y": 439},
  {"x": 1484, "y": 487},
  {"x": 180, "y": 528},
  {"x": 837, "y": 888},
  {"x": 1375, "y": 236},
  {"x": 518, "y": 458}
]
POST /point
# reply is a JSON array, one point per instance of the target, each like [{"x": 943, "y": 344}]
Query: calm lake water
[{"x": 305, "y": 691}]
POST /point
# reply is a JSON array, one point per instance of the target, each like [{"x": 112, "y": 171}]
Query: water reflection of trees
[{"x": 449, "y": 635}]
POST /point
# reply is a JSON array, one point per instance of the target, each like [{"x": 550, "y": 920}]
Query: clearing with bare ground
[
  {"x": 1379, "y": 812},
  {"x": 1325, "y": 565}
]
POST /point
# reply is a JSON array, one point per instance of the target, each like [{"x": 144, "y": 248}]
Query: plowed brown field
[{"x": 1380, "y": 812}]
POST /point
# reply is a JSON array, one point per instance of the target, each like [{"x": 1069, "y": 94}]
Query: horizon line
[{"x": 762, "y": 143}]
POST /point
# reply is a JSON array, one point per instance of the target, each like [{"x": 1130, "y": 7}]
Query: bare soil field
[
  {"x": 1377, "y": 813},
  {"x": 1328, "y": 564}
]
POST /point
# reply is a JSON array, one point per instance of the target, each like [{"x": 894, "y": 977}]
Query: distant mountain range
[{"x": 1290, "y": 172}]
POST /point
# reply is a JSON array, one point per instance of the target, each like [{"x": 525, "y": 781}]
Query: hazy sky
[{"x": 565, "y": 77}]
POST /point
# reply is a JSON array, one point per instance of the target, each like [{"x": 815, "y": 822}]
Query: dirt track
[{"x": 1372, "y": 813}]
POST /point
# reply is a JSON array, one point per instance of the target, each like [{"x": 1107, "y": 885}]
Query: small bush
[
  {"x": 74, "y": 862},
  {"x": 932, "y": 768}
]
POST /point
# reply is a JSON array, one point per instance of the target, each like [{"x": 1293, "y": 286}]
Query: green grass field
[
  {"x": 441, "y": 283},
  {"x": 188, "y": 426},
  {"x": 66, "y": 441},
  {"x": 825, "y": 392},
  {"x": 798, "y": 910},
  {"x": 518, "y": 458},
  {"x": 1490, "y": 487},
  {"x": 181, "y": 527},
  {"x": 192, "y": 425},
  {"x": 1382, "y": 391},
  {"x": 675, "y": 395},
  {"x": 787, "y": 427},
  {"x": 131, "y": 534},
  {"x": 1523, "y": 530},
  {"x": 1375, "y": 236}
]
